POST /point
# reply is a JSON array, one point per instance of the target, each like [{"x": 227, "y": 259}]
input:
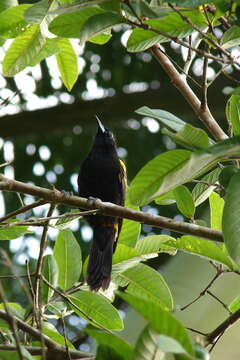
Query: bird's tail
[{"x": 100, "y": 260}]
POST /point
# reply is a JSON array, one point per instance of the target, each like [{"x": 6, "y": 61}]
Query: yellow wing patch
[{"x": 123, "y": 173}]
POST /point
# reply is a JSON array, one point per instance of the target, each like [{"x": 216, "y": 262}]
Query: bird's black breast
[{"x": 100, "y": 178}]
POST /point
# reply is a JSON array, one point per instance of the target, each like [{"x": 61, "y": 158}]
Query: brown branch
[
  {"x": 43, "y": 246},
  {"x": 51, "y": 345},
  {"x": 213, "y": 336},
  {"x": 110, "y": 209},
  {"x": 22, "y": 210},
  {"x": 220, "y": 301},
  {"x": 204, "y": 115}
]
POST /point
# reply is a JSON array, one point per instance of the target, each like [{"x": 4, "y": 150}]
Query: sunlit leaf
[
  {"x": 67, "y": 254},
  {"x": 216, "y": 208},
  {"x": 146, "y": 347},
  {"x": 50, "y": 273},
  {"x": 231, "y": 37},
  {"x": 96, "y": 309},
  {"x": 184, "y": 201},
  {"x": 233, "y": 113},
  {"x": 12, "y": 21},
  {"x": 202, "y": 191}
]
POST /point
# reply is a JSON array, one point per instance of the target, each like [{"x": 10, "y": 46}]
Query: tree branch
[
  {"x": 110, "y": 209},
  {"x": 203, "y": 114},
  {"x": 53, "y": 347}
]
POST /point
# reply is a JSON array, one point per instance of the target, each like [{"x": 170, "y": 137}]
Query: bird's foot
[{"x": 93, "y": 201}]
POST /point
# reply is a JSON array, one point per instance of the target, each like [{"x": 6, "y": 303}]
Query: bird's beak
[{"x": 100, "y": 125}]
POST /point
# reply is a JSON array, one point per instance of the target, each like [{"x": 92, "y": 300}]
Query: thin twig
[
  {"x": 220, "y": 301},
  {"x": 65, "y": 339},
  {"x": 53, "y": 347},
  {"x": 43, "y": 245},
  {"x": 23, "y": 209},
  {"x": 12, "y": 323},
  {"x": 204, "y": 103},
  {"x": 30, "y": 281},
  {"x": 203, "y": 292},
  {"x": 197, "y": 331}
]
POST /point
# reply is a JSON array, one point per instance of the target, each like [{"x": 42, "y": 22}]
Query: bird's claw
[{"x": 92, "y": 200}]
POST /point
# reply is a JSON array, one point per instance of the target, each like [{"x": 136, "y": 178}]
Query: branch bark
[
  {"x": 203, "y": 114},
  {"x": 57, "y": 197}
]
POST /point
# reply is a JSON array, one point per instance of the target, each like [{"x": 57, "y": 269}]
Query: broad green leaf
[
  {"x": 235, "y": 304},
  {"x": 5, "y": 4},
  {"x": 13, "y": 232},
  {"x": 57, "y": 308},
  {"x": 126, "y": 257},
  {"x": 231, "y": 37},
  {"x": 189, "y": 137},
  {"x": 65, "y": 223},
  {"x": 50, "y": 273},
  {"x": 67, "y": 63},
  {"x": 148, "y": 283},
  {"x": 146, "y": 347},
  {"x": 203, "y": 248},
  {"x": 154, "y": 244},
  {"x": 130, "y": 229},
  {"x": 120, "y": 345},
  {"x": 12, "y": 21},
  {"x": 216, "y": 208},
  {"x": 150, "y": 177},
  {"x": 96, "y": 309},
  {"x": 50, "y": 48},
  {"x": 172, "y": 24},
  {"x": 110, "y": 5},
  {"x": 97, "y": 24},
  {"x": 67, "y": 254},
  {"x": 189, "y": 3},
  {"x": 73, "y": 6},
  {"x": 161, "y": 321},
  {"x": 166, "y": 199},
  {"x": 102, "y": 38},
  {"x": 184, "y": 201},
  {"x": 107, "y": 352},
  {"x": 69, "y": 25},
  {"x": 14, "y": 355},
  {"x": 230, "y": 219},
  {"x": 50, "y": 330},
  {"x": 201, "y": 191},
  {"x": 233, "y": 113},
  {"x": 166, "y": 118},
  {"x": 23, "y": 50},
  {"x": 15, "y": 309},
  {"x": 37, "y": 12},
  {"x": 170, "y": 345},
  {"x": 160, "y": 176}
]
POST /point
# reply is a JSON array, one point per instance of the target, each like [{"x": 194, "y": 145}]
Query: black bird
[{"x": 103, "y": 175}]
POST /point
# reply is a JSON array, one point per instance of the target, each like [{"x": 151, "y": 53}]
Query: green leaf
[
  {"x": 107, "y": 352},
  {"x": 233, "y": 113},
  {"x": 50, "y": 330},
  {"x": 216, "y": 207},
  {"x": 201, "y": 247},
  {"x": 166, "y": 118},
  {"x": 69, "y": 25},
  {"x": 150, "y": 177},
  {"x": 14, "y": 355},
  {"x": 190, "y": 137},
  {"x": 169, "y": 345},
  {"x": 126, "y": 257},
  {"x": 50, "y": 273},
  {"x": 146, "y": 347},
  {"x": 23, "y": 50},
  {"x": 230, "y": 219},
  {"x": 161, "y": 321},
  {"x": 97, "y": 24},
  {"x": 12, "y": 21},
  {"x": 5, "y": 4},
  {"x": 172, "y": 24},
  {"x": 235, "y": 304},
  {"x": 50, "y": 48},
  {"x": 130, "y": 229},
  {"x": 102, "y": 38},
  {"x": 67, "y": 63},
  {"x": 166, "y": 199},
  {"x": 201, "y": 192},
  {"x": 149, "y": 284},
  {"x": 37, "y": 12},
  {"x": 231, "y": 37},
  {"x": 176, "y": 167},
  {"x": 154, "y": 244},
  {"x": 120, "y": 345},
  {"x": 184, "y": 201},
  {"x": 15, "y": 309},
  {"x": 96, "y": 309},
  {"x": 65, "y": 223},
  {"x": 67, "y": 254},
  {"x": 13, "y": 232},
  {"x": 57, "y": 308}
]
